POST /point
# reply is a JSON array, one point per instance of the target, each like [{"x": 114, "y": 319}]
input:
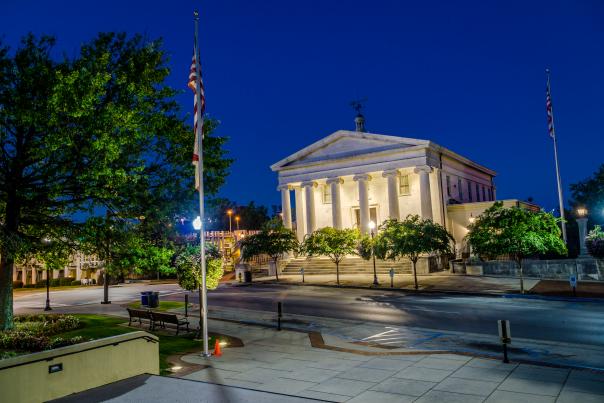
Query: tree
[
  {"x": 273, "y": 240},
  {"x": 514, "y": 232},
  {"x": 590, "y": 194},
  {"x": 412, "y": 238},
  {"x": 188, "y": 267},
  {"x": 188, "y": 271},
  {"x": 101, "y": 130},
  {"x": 333, "y": 243}
]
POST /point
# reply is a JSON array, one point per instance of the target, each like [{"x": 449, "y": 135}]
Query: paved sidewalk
[
  {"x": 285, "y": 362},
  {"x": 433, "y": 282}
]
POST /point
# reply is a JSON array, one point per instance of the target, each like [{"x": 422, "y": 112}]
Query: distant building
[
  {"x": 81, "y": 266},
  {"x": 350, "y": 178}
]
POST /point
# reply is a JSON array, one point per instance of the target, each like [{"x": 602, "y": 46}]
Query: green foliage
[
  {"x": 365, "y": 247},
  {"x": 33, "y": 332},
  {"x": 99, "y": 130},
  {"x": 590, "y": 194},
  {"x": 273, "y": 240},
  {"x": 412, "y": 238},
  {"x": 333, "y": 243},
  {"x": 188, "y": 267},
  {"x": 595, "y": 242},
  {"x": 251, "y": 216},
  {"x": 514, "y": 232}
]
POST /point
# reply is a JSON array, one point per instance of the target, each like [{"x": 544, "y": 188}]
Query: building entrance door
[{"x": 357, "y": 216}]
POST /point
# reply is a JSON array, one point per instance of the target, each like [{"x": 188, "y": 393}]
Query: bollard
[
  {"x": 302, "y": 272},
  {"x": 240, "y": 277},
  {"x": 506, "y": 337},
  {"x": 186, "y": 305},
  {"x": 279, "y": 315},
  {"x": 391, "y": 278}
]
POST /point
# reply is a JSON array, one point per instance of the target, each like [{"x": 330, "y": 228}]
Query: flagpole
[
  {"x": 553, "y": 134},
  {"x": 204, "y": 291}
]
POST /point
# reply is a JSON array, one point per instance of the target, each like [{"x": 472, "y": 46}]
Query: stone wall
[{"x": 585, "y": 268}]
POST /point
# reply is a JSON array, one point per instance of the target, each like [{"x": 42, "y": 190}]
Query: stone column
[
  {"x": 424, "y": 190},
  {"x": 362, "y": 180},
  {"x": 311, "y": 221},
  {"x": 34, "y": 274},
  {"x": 286, "y": 206},
  {"x": 300, "y": 220},
  {"x": 393, "y": 209},
  {"x": 336, "y": 202}
]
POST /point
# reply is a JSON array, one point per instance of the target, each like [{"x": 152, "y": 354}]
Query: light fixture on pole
[
  {"x": 237, "y": 218},
  {"x": 372, "y": 229},
  {"x": 581, "y": 213},
  {"x": 46, "y": 241},
  {"x": 230, "y": 214},
  {"x": 197, "y": 223}
]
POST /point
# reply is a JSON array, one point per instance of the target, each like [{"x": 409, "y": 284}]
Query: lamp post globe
[{"x": 197, "y": 223}]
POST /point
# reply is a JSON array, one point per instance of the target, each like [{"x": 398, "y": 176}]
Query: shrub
[
  {"x": 61, "y": 342},
  {"x": 66, "y": 281},
  {"x": 41, "y": 284},
  {"x": 595, "y": 242},
  {"x": 17, "y": 284},
  {"x": 23, "y": 340},
  {"x": 76, "y": 282},
  {"x": 29, "y": 286},
  {"x": 55, "y": 282}
]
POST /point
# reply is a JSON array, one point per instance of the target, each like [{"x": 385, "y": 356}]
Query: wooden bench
[
  {"x": 140, "y": 314},
  {"x": 163, "y": 318}
]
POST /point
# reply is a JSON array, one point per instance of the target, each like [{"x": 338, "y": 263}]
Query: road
[{"x": 559, "y": 321}]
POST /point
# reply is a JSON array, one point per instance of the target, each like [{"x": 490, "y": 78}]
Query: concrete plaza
[{"x": 285, "y": 362}]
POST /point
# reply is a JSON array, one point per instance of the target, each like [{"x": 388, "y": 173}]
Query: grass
[
  {"x": 163, "y": 305},
  {"x": 99, "y": 326},
  {"x": 57, "y": 288}
]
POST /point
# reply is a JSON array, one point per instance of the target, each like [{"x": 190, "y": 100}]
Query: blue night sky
[{"x": 281, "y": 74}]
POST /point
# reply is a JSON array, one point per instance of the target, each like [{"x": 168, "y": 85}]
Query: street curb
[
  {"x": 355, "y": 287},
  {"x": 441, "y": 292},
  {"x": 555, "y": 298}
]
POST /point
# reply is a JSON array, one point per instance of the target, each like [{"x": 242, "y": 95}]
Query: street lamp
[
  {"x": 197, "y": 223},
  {"x": 46, "y": 241},
  {"x": 237, "y": 218},
  {"x": 372, "y": 229},
  {"x": 230, "y": 214},
  {"x": 582, "y": 222}
]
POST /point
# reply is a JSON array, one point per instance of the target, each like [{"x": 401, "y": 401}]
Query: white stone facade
[{"x": 350, "y": 178}]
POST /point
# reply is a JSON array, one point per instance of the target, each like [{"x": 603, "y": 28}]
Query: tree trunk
[
  {"x": 105, "y": 288},
  {"x": 415, "y": 273},
  {"x": 520, "y": 271},
  {"x": 6, "y": 293},
  {"x": 338, "y": 273}
]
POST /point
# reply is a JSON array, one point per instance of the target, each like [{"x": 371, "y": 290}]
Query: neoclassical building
[{"x": 350, "y": 178}]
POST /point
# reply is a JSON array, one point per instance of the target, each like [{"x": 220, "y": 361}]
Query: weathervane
[
  {"x": 357, "y": 105},
  {"x": 359, "y": 120}
]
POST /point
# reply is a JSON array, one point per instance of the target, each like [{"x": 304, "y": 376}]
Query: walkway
[{"x": 285, "y": 362}]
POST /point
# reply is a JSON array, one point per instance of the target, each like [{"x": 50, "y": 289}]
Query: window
[
  {"x": 477, "y": 193},
  {"x": 470, "y": 191},
  {"x": 372, "y": 216},
  {"x": 459, "y": 189},
  {"x": 403, "y": 185},
  {"x": 448, "y": 186},
  {"x": 326, "y": 194}
]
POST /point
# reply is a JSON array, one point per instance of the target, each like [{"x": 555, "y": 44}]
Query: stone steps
[{"x": 348, "y": 265}]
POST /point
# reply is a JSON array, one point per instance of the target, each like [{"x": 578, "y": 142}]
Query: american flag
[
  {"x": 197, "y": 125},
  {"x": 550, "y": 113}
]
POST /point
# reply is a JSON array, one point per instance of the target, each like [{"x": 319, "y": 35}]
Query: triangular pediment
[{"x": 346, "y": 144}]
